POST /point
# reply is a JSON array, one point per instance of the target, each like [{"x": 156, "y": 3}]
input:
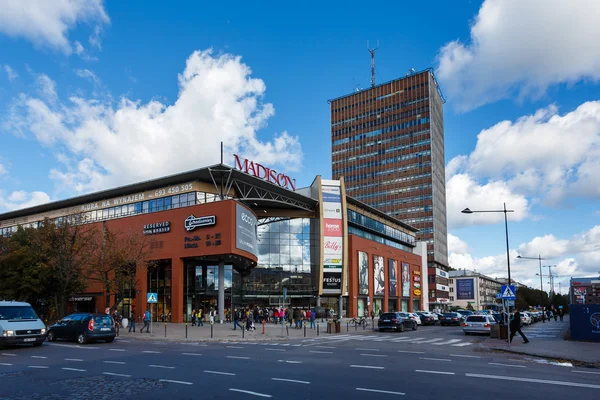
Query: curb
[
  {"x": 201, "y": 340},
  {"x": 581, "y": 363}
]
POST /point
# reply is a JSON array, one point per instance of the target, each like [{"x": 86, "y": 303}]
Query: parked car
[
  {"x": 464, "y": 313},
  {"x": 426, "y": 319},
  {"x": 396, "y": 321},
  {"x": 84, "y": 328},
  {"x": 526, "y": 319},
  {"x": 429, "y": 314},
  {"x": 415, "y": 317},
  {"x": 451, "y": 319},
  {"x": 19, "y": 324},
  {"x": 478, "y": 324}
]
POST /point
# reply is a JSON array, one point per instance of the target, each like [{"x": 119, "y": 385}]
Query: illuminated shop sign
[
  {"x": 193, "y": 222},
  {"x": 264, "y": 173},
  {"x": 157, "y": 227}
]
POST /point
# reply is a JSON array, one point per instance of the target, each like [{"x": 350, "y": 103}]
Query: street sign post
[
  {"x": 508, "y": 293},
  {"x": 152, "y": 298}
]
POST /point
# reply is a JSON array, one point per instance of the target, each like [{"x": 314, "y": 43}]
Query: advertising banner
[
  {"x": 333, "y": 238},
  {"x": 405, "y": 280},
  {"x": 332, "y": 227},
  {"x": 378, "y": 278},
  {"x": 465, "y": 289},
  {"x": 331, "y": 194},
  {"x": 332, "y": 210},
  {"x": 245, "y": 230},
  {"x": 333, "y": 246},
  {"x": 332, "y": 282},
  {"x": 393, "y": 277},
  {"x": 363, "y": 273}
]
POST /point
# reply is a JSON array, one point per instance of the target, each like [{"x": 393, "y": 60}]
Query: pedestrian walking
[
  {"x": 561, "y": 314},
  {"x": 194, "y": 317},
  {"x": 555, "y": 313},
  {"x": 199, "y": 318},
  {"x": 131, "y": 322},
  {"x": 237, "y": 315},
  {"x": 146, "y": 322},
  {"x": 515, "y": 327},
  {"x": 313, "y": 317}
]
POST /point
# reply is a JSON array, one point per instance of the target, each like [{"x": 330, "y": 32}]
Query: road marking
[
  {"x": 586, "y": 372},
  {"x": 275, "y": 349},
  {"x": 362, "y": 349},
  {"x": 74, "y": 369},
  {"x": 519, "y": 379},
  {"x": 435, "y": 359},
  {"x": 447, "y": 342},
  {"x": 366, "y": 366},
  {"x": 6, "y": 364},
  {"x": 219, "y": 373},
  {"x": 380, "y": 391},
  {"x": 290, "y": 362},
  {"x": 434, "y": 372},
  {"x": 160, "y": 366},
  {"x": 291, "y": 380},
  {"x": 428, "y": 341},
  {"x": 38, "y": 366},
  {"x": 39, "y": 357},
  {"x": 114, "y": 362},
  {"x": 462, "y": 355},
  {"x": 411, "y": 352},
  {"x": 124, "y": 341},
  {"x": 321, "y": 352},
  {"x": 325, "y": 347},
  {"x": 180, "y": 382},
  {"x": 73, "y": 359},
  {"x": 234, "y": 347},
  {"x": 374, "y": 355},
  {"x": 508, "y": 365},
  {"x": 249, "y": 392},
  {"x": 296, "y": 345},
  {"x": 75, "y": 346},
  {"x": 115, "y": 374},
  {"x": 191, "y": 354},
  {"x": 151, "y": 352},
  {"x": 9, "y": 354},
  {"x": 462, "y": 344},
  {"x": 116, "y": 349},
  {"x": 240, "y": 358}
]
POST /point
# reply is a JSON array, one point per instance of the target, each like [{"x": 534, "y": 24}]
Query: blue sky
[{"x": 96, "y": 94}]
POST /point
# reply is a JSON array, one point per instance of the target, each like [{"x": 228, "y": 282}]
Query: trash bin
[
  {"x": 504, "y": 332},
  {"x": 495, "y": 331}
]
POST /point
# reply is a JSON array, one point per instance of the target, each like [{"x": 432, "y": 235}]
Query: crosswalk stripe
[
  {"x": 462, "y": 344},
  {"x": 451, "y": 341},
  {"x": 429, "y": 341}
]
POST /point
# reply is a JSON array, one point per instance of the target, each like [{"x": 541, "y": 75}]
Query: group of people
[
  {"x": 515, "y": 323},
  {"x": 250, "y": 315},
  {"x": 553, "y": 312}
]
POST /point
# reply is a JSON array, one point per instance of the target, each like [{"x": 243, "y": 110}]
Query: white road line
[
  {"x": 114, "y": 362},
  {"x": 411, "y": 352},
  {"x": 38, "y": 366},
  {"x": 75, "y": 346},
  {"x": 462, "y": 344},
  {"x": 429, "y": 341},
  {"x": 585, "y": 372},
  {"x": 6, "y": 364},
  {"x": 42, "y": 357},
  {"x": 275, "y": 349},
  {"x": 290, "y": 362},
  {"x": 435, "y": 359},
  {"x": 465, "y": 356},
  {"x": 234, "y": 347},
  {"x": 508, "y": 365},
  {"x": 379, "y": 391},
  {"x": 296, "y": 345},
  {"x": 290, "y": 380},
  {"x": 116, "y": 349},
  {"x": 325, "y": 347},
  {"x": 249, "y": 392},
  {"x": 124, "y": 341},
  {"x": 238, "y": 357},
  {"x": 366, "y": 366},
  {"x": 434, "y": 372},
  {"x": 374, "y": 355},
  {"x": 362, "y": 349},
  {"x": 219, "y": 373},
  {"x": 151, "y": 352},
  {"x": 74, "y": 369},
  {"x": 115, "y": 374},
  {"x": 160, "y": 366},
  {"x": 321, "y": 352},
  {"x": 73, "y": 359},
  {"x": 180, "y": 382},
  {"x": 191, "y": 354},
  {"x": 519, "y": 379},
  {"x": 9, "y": 354},
  {"x": 451, "y": 341}
]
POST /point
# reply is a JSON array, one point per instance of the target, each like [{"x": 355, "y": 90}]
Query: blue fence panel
[{"x": 585, "y": 322}]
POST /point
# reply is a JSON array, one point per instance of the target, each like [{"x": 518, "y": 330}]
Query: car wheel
[
  {"x": 51, "y": 337},
  {"x": 81, "y": 339},
  {"x": 401, "y": 328},
  {"x": 414, "y": 328}
]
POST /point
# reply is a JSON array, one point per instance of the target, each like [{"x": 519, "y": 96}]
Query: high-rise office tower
[{"x": 388, "y": 144}]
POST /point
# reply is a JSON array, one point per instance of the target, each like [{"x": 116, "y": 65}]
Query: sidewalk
[
  {"x": 225, "y": 332},
  {"x": 542, "y": 344}
]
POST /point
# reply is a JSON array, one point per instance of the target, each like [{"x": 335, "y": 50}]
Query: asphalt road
[{"x": 432, "y": 361}]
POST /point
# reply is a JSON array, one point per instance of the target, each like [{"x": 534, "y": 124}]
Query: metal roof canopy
[{"x": 254, "y": 192}]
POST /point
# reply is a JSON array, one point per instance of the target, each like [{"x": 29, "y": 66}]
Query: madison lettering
[
  {"x": 265, "y": 173},
  {"x": 193, "y": 222}
]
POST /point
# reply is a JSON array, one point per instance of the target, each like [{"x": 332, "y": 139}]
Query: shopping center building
[{"x": 225, "y": 237}]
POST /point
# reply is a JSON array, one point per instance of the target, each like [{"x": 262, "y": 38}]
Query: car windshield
[
  {"x": 452, "y": 315},
  {"x": 17, "y": 313},
  {"x": 103, "y": 320},
  {"x": 477, "y": 318},
  {"x": 403, "y": 315},
  {"x": 388, "y": 315}
]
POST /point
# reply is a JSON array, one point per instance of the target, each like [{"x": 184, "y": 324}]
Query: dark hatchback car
[
  {"x": 397, "y": 321},
  {"x": 427, "y": 320},
  {"x": 84, "y": 328},
  {"x": 451, "y": 319}
]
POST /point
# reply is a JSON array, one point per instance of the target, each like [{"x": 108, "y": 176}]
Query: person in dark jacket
[{"x": 515, "y": 327}]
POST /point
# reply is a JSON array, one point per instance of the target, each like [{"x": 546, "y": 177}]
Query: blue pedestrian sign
[
  {"x": 498, "y": 295},
  {"x": 508, "y": 292},
  {"x": 152, "y": 297}
]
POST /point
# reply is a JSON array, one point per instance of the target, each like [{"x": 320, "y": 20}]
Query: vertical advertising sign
[
  {"x": 465, "y": 289},
  {"x": 393, "y": 277},
  {"x": 405, "y": 280},
  {"x": 333, "y": 240},
  {"x": 245, "y": 229},
  {"x": 363, "y": 273},
  {"x": 378, "y": 277}
]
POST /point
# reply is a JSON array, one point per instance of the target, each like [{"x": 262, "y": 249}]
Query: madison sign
[
  {"x": 264, "y": 173},
  {"x": 193, "y": 222}
]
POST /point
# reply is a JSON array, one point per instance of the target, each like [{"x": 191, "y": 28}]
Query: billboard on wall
[
  {"x": 245, "y": 230},
  {"x": 332, "y": 210},
  {"x": 405, "y": 280},
  {"x": 332, "y": 227},
  {"x": 393, "y": 277},
  {"x": 465, "y": 289},
  {"x": 378, "y": 277},
  {"x": 333, "y": 239},
  {"x": 363, "y": 273}
]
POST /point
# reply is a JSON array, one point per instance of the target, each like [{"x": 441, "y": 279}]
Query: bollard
[
  {"x": 263, "y": 324},
  {"x": 355, "y": 326},
  {"x": 365, "y": 325},
  {"x": 347, "y": 326},
  {"x": 287, "y": 329},
  {"x": 186, "y": 330},
  {"x": 304, "y": 328},
  {"x": 317, "y": 329},
  {"x": 211, "y": 329},
  {"x": 243, "y": 329},
  {"x": 165, "y": 329}
]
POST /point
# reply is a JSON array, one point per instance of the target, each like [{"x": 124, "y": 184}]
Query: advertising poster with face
[
  {"x": 363, "y": 273},
  {"x": 405, "y": 280},
  {"x": 393, "y": 277},
  {"x": 379, "y": 278}
]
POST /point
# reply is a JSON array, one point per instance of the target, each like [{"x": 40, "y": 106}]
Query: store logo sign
[
  {"x": 193, "y": 222},
  {"x": 264, "y": 173}
]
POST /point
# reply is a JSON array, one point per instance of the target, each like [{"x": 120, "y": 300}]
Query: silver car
[{"x": 478, "y": 324}]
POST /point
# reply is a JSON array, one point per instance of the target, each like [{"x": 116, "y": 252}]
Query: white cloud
[
  {"x": 108, "y": 145},
  {"x": 456, "y": 245},
  {"x": 78, "y": 48},
  {"x": 87, "y": 74},
  {"x": 47, "y": 88},
  {"x": 46, "y": 23},
  {"x": 20, "y": 199},
  {"x": 10, "y": 73},
  {"x": 521, "y": 48},
  {"x": 3, "y": 170}
]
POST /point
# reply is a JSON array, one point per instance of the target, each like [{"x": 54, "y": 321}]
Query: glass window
[
  {"x": 191, "y": 198},
  {"x": 146, "y": 207},
  {"x": 160, "y": 204},
  {"x": 168, "y": 203}
]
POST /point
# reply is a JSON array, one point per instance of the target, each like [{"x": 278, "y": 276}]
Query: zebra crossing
[{"x": 543, "y": 331}]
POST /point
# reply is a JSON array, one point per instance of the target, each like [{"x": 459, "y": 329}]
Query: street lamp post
[
  {"x": 539, "y": 258},
  {"x": 551, "y": 277}
]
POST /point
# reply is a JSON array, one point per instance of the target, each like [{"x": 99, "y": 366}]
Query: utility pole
[{"x": 372, "y": 51}]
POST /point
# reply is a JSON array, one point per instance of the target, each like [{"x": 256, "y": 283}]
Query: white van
[{"x": 19, "y": 324}]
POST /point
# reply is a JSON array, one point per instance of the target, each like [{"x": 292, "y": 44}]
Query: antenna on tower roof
[{"x": 372, "y": 51}]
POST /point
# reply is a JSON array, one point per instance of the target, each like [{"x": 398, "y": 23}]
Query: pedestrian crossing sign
[
  {"x": 508, "y": 292},
  {"x": 152, "y": 297}
]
